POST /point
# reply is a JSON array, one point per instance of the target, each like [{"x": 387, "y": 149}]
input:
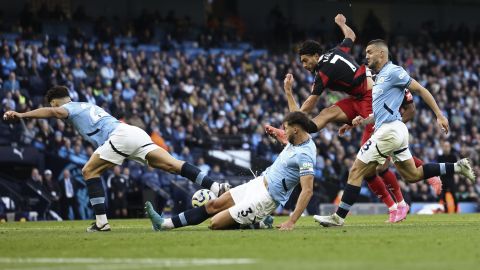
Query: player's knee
[
  {"x": 214, "y": 224},
  {"x": 354, "y": 177},
  {"x": 86, "y": 172}
]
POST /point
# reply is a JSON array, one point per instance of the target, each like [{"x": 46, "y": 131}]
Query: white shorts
[
  {"x": 391, "y": 139},
  {"x": 252, "y": 202},
  {"x": 126, "y": 142}
]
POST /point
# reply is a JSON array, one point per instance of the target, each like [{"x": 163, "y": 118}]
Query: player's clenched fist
[
  {"x": 288, "y": 82},
  {"x": 11, "y": 115},
  {"x": 340, "y": 19}
]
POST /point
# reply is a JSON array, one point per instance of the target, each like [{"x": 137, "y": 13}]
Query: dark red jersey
[
  {"x": 408, "y": 99},
  {"x": 338, "y": 71}
]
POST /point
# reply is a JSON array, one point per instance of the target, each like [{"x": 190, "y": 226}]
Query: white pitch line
[{"x": 168, "y": 262}]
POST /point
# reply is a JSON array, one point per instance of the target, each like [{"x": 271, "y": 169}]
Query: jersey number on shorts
[
  {"x": 366, "y": 146},
  {"x": 336, "y": 57},
  {"x": 245, "y": 213}
]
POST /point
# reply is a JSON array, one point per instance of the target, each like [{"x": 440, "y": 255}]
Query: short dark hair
[
  {"x": 301, "y": 119},
  {"x": 58, "y": 91},
  {"x": 377, "y": 42},
  {"x": 310, "y": 47}
]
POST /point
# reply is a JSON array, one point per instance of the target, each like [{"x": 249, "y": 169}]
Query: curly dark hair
[
  {"x": 58, "y": 91},
  {"x": 310, "y": 47},
  {"x": 301, "y": 119}
]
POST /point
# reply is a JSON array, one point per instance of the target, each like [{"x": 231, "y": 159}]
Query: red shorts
[{"x": 358, "y": 106}]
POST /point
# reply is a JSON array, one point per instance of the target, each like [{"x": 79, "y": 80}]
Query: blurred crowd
[{"x": 191, "y": 103}]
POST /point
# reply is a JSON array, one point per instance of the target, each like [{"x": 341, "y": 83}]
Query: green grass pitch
[{"x": 366, "y": 242}]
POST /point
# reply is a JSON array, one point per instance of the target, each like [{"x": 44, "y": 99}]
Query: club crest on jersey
[{"x": 380, "y": 80}]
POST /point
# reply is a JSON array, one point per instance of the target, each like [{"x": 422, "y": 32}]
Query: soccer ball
[{"x": 201, "y": 197}]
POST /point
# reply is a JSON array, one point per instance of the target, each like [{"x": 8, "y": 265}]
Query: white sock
[
  {"x": 167, "y": 224},
  {"x": 101, "y": 220},
  {"x": 393, "y": 207},
  {"x": 215, "y": 188},
  {"x": 402, "y": 203},
  {"x": 456, "y": 168}
]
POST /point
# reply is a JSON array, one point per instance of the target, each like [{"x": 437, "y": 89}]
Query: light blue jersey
[
  {"x": 92, "y": 122},
  {"x": 388, "y": 93},
  {"x": 284, "y": 174}
]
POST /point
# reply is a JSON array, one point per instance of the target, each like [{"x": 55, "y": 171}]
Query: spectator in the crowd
[
  {"x": 448, "y": 183},
  {"x": 68, "y": 199},
  {"x": 216, "y": 173},
  {"x": 117, "y": 185},
  {"x": 11, "y": 84},
  {"x": 53, "y": 189},
  {"x": 7, "y": 63}
]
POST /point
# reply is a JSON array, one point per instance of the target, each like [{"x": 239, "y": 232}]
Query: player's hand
[
  {"x": 340, "y": 19},
  {"x": 358, "y": 121},
  {"x": 288, "y": 83},
  {"x": 443, "y": 123},
  {"x": 344, "y": 129},
  {"x": 286, "y": 226},
  {"x": 11, "y": 115}
]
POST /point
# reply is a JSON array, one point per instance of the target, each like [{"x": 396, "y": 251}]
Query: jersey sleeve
[
  {"x": 346, "y": 45},
  {"x": 71, "y": 108},
  {"x": 322, "y": 77},
  {"x": 306, "y": 164},
  {"x": 400, "y": 78}
]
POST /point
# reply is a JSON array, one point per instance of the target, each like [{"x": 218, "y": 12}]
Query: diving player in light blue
[
  {"x": 116, "y": 142},
  {"x": 252, "y": 202},
  {"x": 391, "y": 134}
]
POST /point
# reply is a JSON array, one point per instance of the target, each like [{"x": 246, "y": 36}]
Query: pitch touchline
[{"x": 149, "y": 261}]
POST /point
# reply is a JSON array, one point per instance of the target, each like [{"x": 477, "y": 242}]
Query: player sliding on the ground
[
  {"x": 116, "y": 142},
  {"x": 255, "y": 200},
  {"x": 337, "y": 70},
  {"x": 391, "y": 134}
]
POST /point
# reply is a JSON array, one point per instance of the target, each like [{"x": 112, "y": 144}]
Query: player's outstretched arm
[
  {"x": 48, "y": 112},
  {"x": 428, "y": 98},
  {"x": 288, "y": 86},
  {"x": 306, "y": 183},
  {"x": 341, "y": 21}
]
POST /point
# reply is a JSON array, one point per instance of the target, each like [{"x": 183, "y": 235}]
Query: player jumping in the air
[
  {"x": 116, "y": 142},
  {"x": 337, "y": 70},
  {"x": 251, "y": 202},
  {"x": 391, "y": 134}
]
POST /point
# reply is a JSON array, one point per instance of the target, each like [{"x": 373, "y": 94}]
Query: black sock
[
  {"x": 97, "y": 195},
  {"x": 195, "y": 175},
  {"x": 437, "y": 169},
  {"x": 350, "y": 195},
  {"x": 192, "y": 216}
]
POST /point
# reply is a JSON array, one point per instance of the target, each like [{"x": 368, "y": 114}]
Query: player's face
[
  {"x": 373, "y": 54},
  {"x": 309, "y": 61},
  {"x": 54, "y": 103},
  {"x": 291, "y": 132}
]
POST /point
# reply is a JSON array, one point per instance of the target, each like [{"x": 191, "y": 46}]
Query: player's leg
[
  {"x": 376, "y": 184},
  {"x": 190, "y": 217},
  {"x": 222, "y": 221},
  {"x": 411, "y": 173},
  {"x": 434, "y": 182},
  {"x": 351, "y": 192},
  {"x": 92, "y": 171},
  {"x": 331, "y": 114},
  {"x": 337, "y": 113},
  {"x": 159, "y": 158}
]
